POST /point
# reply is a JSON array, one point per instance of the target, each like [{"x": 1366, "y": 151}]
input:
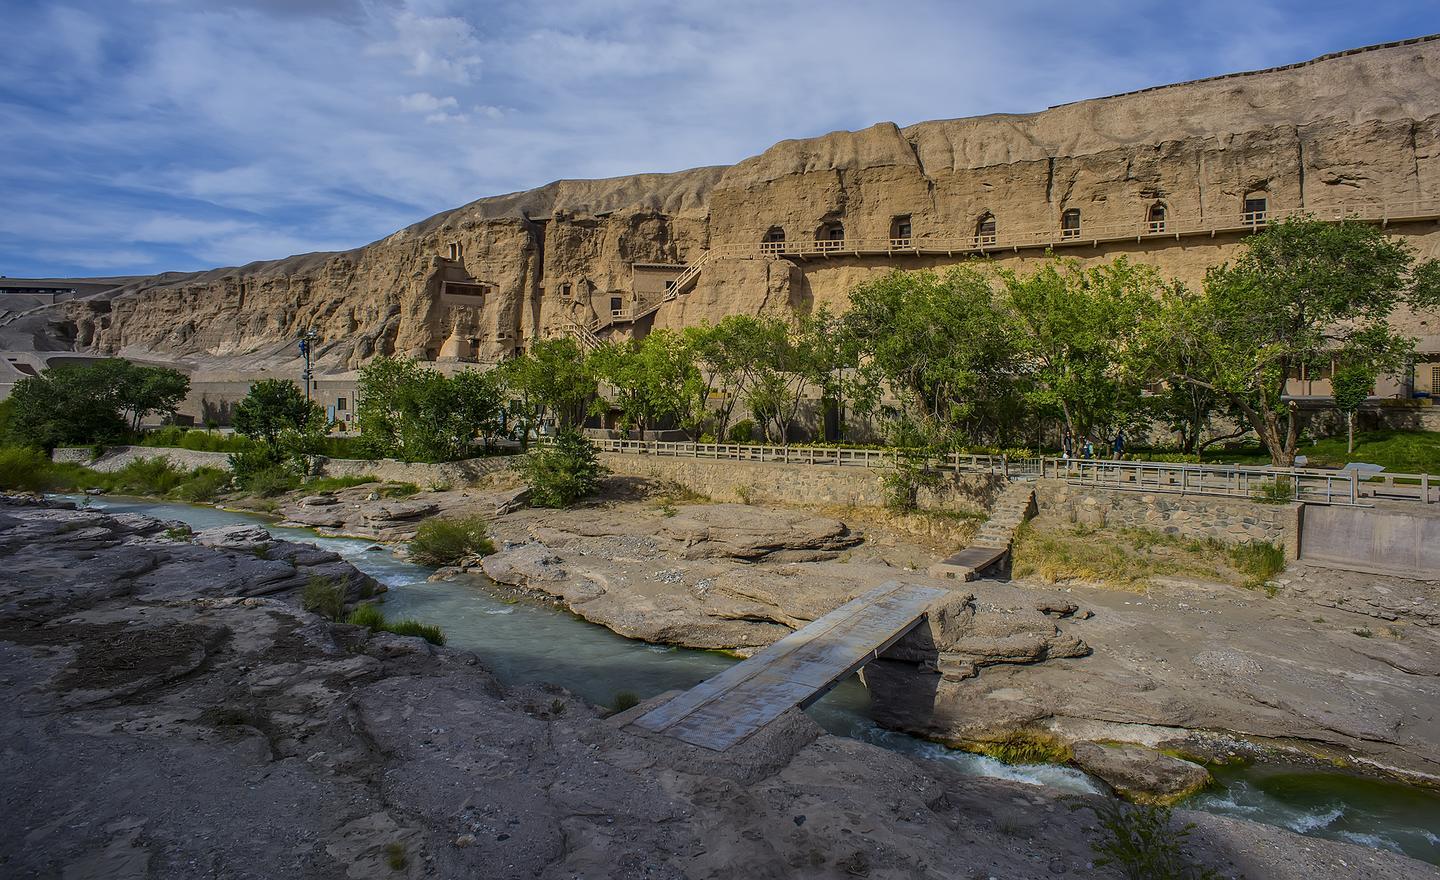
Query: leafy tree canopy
[{"x": 93, "y": 403}]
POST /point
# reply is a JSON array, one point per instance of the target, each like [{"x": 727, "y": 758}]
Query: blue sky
[{"x": 139, "y": 136}]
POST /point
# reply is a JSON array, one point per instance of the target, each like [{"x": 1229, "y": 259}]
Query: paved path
[{"x": 795, "y": 671}]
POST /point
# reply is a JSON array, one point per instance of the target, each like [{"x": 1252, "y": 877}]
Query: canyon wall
[{"x": 483, "y": 280}]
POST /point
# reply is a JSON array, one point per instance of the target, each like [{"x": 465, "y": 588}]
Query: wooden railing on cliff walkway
[{"x": 1311, "y": 485}]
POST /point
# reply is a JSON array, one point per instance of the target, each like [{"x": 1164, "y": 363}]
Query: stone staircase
[
  {"x": 991, "y": 545},
  {"x": 588, "y": 335}
]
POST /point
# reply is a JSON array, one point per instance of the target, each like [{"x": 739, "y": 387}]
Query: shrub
[
  {"x": 395, "y": 856},
  {"x": 203, "y": 484},
  {"x": 624, "y": 700},
  {"x": 325, "y": 597},
  {"x": 446, "y": 541},
  {"x": 398, "y": 490},
  {"x": 148, "y": 476},
  {"x": 911, "y": 473},
  {"x": 1142, "y": 844},
  {"x": 25, "y": 469},
  {"x": 367, "y": 615},
  {"x": 1276, "y": 491},
  {"x": 272, "y": 481},
  {"x": 330, "y": 484},
  {"x": 562, "y": 473},
  {"x": 742, "y": 431},
  {"x": 426, "y": 631}
]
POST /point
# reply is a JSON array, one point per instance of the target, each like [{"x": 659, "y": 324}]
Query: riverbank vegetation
[
  {"x": 442, "y": 541},
  {"x": 1132, "y": 559}
]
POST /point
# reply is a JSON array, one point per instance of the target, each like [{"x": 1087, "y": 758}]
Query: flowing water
[{"x": 525, "y": 642}]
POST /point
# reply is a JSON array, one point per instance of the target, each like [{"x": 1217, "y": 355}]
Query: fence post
[{"x": 1354, "y": 487}]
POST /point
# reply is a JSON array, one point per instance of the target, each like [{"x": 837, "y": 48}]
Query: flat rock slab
[
  {"x": 967, "y": 563},
  {"x": 795, "y": 671}
]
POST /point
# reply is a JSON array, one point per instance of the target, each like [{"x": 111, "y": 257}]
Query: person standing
[
  {"x": 1067, "y": 444},
  {"x": 1118, "y": 450},
  {"x": 1089, "y": 448}
]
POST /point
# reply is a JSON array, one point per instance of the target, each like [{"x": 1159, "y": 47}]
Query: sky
[{"x": 139, "y": 136}]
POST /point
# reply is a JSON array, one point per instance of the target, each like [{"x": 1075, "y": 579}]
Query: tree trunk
[{"x": 1350, "y": 433}]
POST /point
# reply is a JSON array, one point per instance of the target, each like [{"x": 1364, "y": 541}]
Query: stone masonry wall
[
  {"x": 799, "y": 484},
  {"x": 1230, "y": 520}
]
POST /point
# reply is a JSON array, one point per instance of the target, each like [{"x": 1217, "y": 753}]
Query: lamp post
[{"x": 307, "y": 347}]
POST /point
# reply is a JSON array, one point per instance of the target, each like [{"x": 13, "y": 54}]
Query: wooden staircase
[{"x": 588, "y": 334}]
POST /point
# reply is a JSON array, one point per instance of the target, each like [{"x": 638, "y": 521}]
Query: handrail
[
  {"x": 1088, "y": 232},
  {"x": 1309, "y": 485}
]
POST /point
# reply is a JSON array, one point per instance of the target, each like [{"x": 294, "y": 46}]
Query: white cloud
[
  {"x": 232, "y": 130},
  {"x": 424, "y": 102}
]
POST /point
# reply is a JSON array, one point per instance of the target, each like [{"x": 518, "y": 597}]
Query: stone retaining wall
[
  {"x": 450, "y": 473},
  {"x": 1231, "y": 520},
  {"x": 778, "y": 483}
]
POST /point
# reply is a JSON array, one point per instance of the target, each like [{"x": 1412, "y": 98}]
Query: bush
[
  {"x": 200, "y": 441},
  {"x": 148, "y": 476},
  {"x": 1276, "y": 491},
  {"x": 1141, "y": 843},
  {"x": 446, "y": 541},
  {"x": 562, "y": 473},
  {"x": 25, "y": 469},
  {"x": 275, "y": 480},
  {"x": 426, "y": 631},
  {"x": 203, "y": 484},
  {"x": 742, "y": 431},
  {"x": 331, "y": 484},
  {"x": 325, "y": 597}
]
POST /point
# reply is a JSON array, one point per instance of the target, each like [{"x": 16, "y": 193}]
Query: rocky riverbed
[{"x": 164, "y": 721}]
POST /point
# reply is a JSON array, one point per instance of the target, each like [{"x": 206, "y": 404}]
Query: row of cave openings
[{"x": 831, "y": 234}]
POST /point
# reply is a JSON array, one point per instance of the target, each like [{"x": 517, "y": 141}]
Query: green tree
[
  {"x": 938, "y": 344},
  {"x": 563, "y": 472},
  {"x": 409, "y": 411},
  {"x": 553, "y": 380},
  {"x": 654, "y": 380},
  {"x": 92, "y": 403},
  {"x": 1299, "y": 293},
  {"x": 274, "y": 406},
  {"x": 1075, "y": 330},
  {"x": 1351, "y": 383}
]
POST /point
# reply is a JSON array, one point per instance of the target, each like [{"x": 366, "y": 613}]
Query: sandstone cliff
[{"x": 480, "y": 281}]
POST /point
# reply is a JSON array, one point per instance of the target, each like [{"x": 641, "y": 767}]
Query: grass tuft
[
  {"x": 325, "y": 597},
  {"x": 1142, "y": 844},
  {"x": 332, "y": 484},
  {"x": 624, "y": 700},
  {"x": 428, "y": 632},
  {"x": 367, "y": 615}
]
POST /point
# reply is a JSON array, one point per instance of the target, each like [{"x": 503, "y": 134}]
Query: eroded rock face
[{"x": 1356, "y": 128}]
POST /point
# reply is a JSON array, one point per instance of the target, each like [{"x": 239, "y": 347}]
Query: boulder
[
  {"x": 244, "y": 538},
  {"x": 1141, "y": 774}
]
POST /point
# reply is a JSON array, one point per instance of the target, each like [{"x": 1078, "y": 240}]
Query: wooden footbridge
[{"x": 795, "y": 671}]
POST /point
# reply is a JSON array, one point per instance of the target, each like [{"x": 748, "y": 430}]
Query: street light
[{"x": 307, "y": 347}]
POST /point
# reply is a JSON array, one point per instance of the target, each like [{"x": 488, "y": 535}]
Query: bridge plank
[{"x": 795, "y": 671}]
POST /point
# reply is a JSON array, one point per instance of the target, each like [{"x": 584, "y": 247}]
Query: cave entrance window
[
  {"x": 830, "y": 236},
  {"x": 774, "y": 241},
  {"x": 1257, "y": 205},
  {"x": 340, "y": 404},
  {"x": 900, "y": 231},
  {"x": 565, "y": 292},
  {"x": 456, "y": 252},
  {"x": 617, "y": 306},
  {"x": 1070, "y": 223},
  {"x": 1156, "y": 218},
  {"x": 985, "y": 230}
]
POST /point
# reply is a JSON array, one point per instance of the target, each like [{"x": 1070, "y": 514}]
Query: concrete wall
[
  {"x": 1231, "y": 520},
  {"x": 799, "y": 483},
  {"x": 1398, "y": 542},
  {"x": 452, "y": 473}
]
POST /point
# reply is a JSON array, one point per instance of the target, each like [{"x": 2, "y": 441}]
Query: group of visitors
[{"x": 1086, "y": 449}]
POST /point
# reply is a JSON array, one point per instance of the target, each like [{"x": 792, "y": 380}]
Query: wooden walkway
[{"x": 795, "y": 671}]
